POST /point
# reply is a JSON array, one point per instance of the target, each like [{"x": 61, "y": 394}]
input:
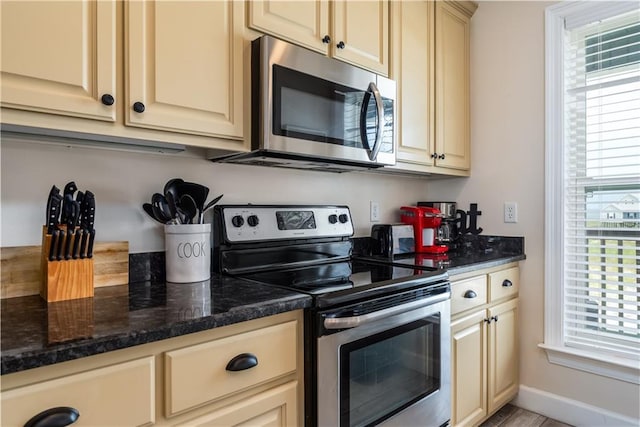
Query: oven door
[{"x": 392, "y": 371}]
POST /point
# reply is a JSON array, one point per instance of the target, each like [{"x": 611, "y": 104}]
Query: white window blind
[{"x": 601, "y": 186}]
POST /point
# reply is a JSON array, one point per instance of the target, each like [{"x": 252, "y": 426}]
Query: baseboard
[{"x": 569, "y": 411}]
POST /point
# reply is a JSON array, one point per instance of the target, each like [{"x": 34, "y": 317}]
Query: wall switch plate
[
  {"x": 374, "y": 211},
  {"x": 510, "y": 212}
]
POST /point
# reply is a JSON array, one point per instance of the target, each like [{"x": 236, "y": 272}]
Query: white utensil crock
[{"x": 187, "y": 252}]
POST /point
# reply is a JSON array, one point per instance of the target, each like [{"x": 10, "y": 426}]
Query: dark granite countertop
[{"x": 35, "y": 333}]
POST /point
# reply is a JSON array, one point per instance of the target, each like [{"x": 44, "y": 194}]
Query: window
[{"x": 592, "y": 236}]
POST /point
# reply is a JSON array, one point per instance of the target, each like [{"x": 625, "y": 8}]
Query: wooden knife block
[{"x": 66, "y": 279}]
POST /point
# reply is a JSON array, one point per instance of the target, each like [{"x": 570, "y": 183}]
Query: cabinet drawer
[
  {"x": 197, "y": 374},
  {"x": 122, "y": 394},
  {"x": 504, "y": 284},
  {"x": 468, "y": 293}
]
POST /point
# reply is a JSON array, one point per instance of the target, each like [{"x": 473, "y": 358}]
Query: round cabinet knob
[
  {"x": 333, "y": 218},
  {"x": 441, "y": 156},
  {"x": 340, "y": 45},
  {"x": 253, "y": 220},
  {"x": 326, "y": 39},
  {"x": 343, "y": 218},
  {"x": 138, "y": 107},
  {"x": 434, "y": 155},
  {"x": 237, "y": 221},
  {"x": 107, "y": 99}
]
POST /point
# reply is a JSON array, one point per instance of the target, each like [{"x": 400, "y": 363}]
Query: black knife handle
[
  {"x": 76, "y": 243},
  {"x": 52, "y": 247},
  {"x": 67, "y": 243},
  {"x": 83, "y": 243},
  {"x": 90, "y": 245},
  {"x": 62, "y": 239}
]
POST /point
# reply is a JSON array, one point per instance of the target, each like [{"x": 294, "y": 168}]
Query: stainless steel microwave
[{"x": 314, "y": 112}]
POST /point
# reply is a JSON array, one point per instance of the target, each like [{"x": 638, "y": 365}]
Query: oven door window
[
  {"x": 382, "y": 374},
  {"x": 313, "y": 109}
]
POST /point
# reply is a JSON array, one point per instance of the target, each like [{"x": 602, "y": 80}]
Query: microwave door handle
[{"x": 372, "y": 152}]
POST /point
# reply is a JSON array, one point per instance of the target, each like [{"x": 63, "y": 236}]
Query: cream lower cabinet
[
  {"x": 356, "y": 32},
  {"x": 484, "y": 340},
  {"x": 189, "y": 380},
  {"x": 431, "y": 66},
  {"x": 143, "y": 70}
]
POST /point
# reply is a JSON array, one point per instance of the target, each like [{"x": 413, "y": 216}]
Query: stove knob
[
  {"x": 253, "y": 220},
  {"x": 343, "y": 218},
  {"x": 333, "y": 218},
  {"x": 237, "y": 221}
]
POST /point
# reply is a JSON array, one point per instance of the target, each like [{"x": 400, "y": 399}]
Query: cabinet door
[
  {"x": 272, "y": 408},
  {"x": 413, "y": 72},
  {"x": 468, "y": 370},
  {"x": 362, "y": 28},
  {"x": 59, "y": 57},
  {"x": 117, "y": 395},
  {"x": 503, "y": 353},
  {"x": 184, "y": 65},
  {"x": 452, "y": 87},
  {"x": 301, "y": 22}
]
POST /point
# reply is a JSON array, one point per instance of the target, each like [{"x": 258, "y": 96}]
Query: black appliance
[{"x": 377, "y": 346}]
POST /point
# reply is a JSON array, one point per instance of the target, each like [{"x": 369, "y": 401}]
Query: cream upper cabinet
[
  {"x": 484, "y": 344},
  {"x": 413, "y": 71},
  {"x": 184, "y": 66},
  {"x": 452, "y": 143},
  {"x": 356, "y": 32},
  {"x": 302, "y": 22},
  {"x": 148, "y": 71},
  {"x": 361, "y": 33},
  {"x": 431, "y": 66},
  {"x": 60, "y": 57}
]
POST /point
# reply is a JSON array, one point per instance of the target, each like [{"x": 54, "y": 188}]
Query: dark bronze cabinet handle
[
  {"x": 55, "y": 417},
  {"x": 434, "y": 155},
  {"x": 241, "y": 362},
  {"x": 470, "y": 294},
  {"x": 107, "y": 99},
  {"x": 494, "y": 318},
  {"x": 507, "y": 283},
  {"x": 326, "y": 39},
  {"x": 340, "y": 45},
  {"x": 441, "y": 156},
  {"x": 487, "y": 320},
  {"x": 138, "y": 107}
]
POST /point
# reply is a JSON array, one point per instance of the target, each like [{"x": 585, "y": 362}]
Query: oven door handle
[{"x": 355, "y": 321}]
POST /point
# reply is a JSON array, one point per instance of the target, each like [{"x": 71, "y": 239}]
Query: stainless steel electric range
[{"x": 377, "y": 337}]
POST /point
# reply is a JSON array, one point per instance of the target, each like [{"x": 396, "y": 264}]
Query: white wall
[
  {"x": 507, "y": 126},
  {"x": 122, "y": 181}
]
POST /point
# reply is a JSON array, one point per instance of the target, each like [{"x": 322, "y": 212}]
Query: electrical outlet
[
  {"x": 510, "y": 212},
  {"x": 374, "y": 211}
]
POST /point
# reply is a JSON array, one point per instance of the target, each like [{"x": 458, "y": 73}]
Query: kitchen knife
[
  {"x": 71, "y": 210},
  {"x": 88, "y": 215},
  {"x": 53, "y": 208},
  {"x": 75, "y": 250},
  {"x": 70, "y": 189}
]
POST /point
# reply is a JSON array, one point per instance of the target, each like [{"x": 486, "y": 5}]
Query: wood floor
[{"x": 512, "y": 416}]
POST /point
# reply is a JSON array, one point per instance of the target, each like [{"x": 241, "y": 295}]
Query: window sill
[{"x": 607, "y": 366}]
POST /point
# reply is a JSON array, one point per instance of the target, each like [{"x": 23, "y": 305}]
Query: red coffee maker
[{"x": 425, "y": 221}]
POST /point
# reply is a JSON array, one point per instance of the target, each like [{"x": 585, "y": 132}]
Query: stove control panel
[{"x": 246, "y": 223}]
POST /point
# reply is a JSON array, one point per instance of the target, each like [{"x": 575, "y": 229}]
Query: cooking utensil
[
  {"x": 209, "y": 206},
  {"x": 198, "y": 192},
  {"x": 173, "y": 186},
  {"x": 54, "y": 204},
  {"x": 188, "y": 207},
  {"x": 161, "y": 208},
  {"x": 88, "y": 233},
  {"x": 149, "y": 210}
]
